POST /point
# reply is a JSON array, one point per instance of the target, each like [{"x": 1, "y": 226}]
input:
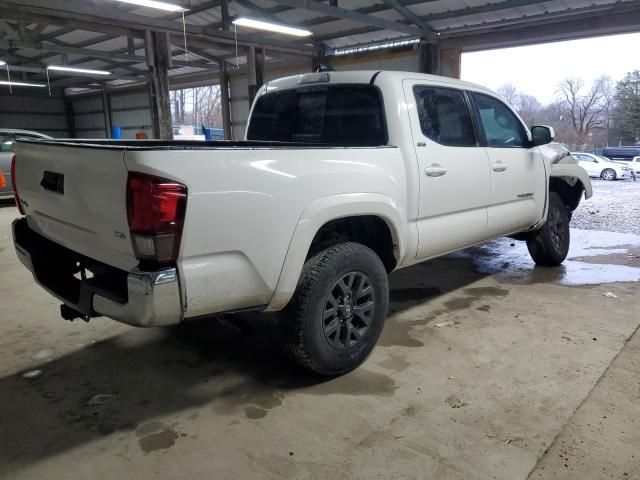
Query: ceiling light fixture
[
  {"x": 2, "y": 63},
  {"x": 169, "y": 7},
  {"x": 21, "y": 84},
  {"x": 271, "y": 27},
  {"x": 62, "y": 68}
]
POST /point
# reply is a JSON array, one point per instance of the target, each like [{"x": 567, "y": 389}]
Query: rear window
[{"x": 332, "y": 114}]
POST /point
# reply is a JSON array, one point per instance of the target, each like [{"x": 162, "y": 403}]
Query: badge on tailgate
[{"x": 53, "y": 181}]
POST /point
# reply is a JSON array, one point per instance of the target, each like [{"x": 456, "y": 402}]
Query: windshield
[{"x": 331, "y": 114}]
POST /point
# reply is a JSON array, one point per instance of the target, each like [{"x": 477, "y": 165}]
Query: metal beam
[
  {"x": 107, "y": 37},
  {"x": 92, "y": 54},
  {"x": 37, "y": 30},
  {"x": 105, "y": 19},
  {"x": 491, "y": 7},
  {"x": 258, "y": 11},
  {"x": 624, "y": 18},
  {"x": 410, "y": 16},
  {"x": 20, "y": 44},
  {"x": 352, "y": 15},
  {"x": 8, "y": 30}
]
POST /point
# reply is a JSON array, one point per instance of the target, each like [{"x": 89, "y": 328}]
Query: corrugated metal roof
[{"x": 451, "y": 17}]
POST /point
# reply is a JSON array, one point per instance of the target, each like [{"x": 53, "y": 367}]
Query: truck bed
[{"x": 191, "y": 144}]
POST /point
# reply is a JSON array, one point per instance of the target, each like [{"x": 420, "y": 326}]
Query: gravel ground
[{"x": 614, "y": 207}]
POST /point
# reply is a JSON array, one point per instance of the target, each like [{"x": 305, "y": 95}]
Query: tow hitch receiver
[{"x": 71, "y": 314}]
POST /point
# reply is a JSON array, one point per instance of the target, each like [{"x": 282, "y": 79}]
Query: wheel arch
[
  {"x": 570, "y": 190},
  {"x": 358, "y": 212}
]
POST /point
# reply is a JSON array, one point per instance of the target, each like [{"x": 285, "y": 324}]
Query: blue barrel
[
  {"x": 116, "y": 132},
  {"x": 208, "y": 134}
]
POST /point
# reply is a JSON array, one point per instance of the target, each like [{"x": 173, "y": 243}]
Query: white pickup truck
[{"x": 343, "y": 177}]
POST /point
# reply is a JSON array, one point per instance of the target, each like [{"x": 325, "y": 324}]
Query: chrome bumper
[{"x": 152, "y": 298}]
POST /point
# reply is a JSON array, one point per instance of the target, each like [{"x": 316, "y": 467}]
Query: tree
[
  {"x": 527, "y": 106},
  {"x": 584, "y": 110},
  {"x": 627, "y": 109},
  {"x": 509, "y": 92}
]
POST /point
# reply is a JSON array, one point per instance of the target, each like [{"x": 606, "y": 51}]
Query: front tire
[
  {"x": 338, "y": 310},
  {"x": 608, "y": 174},
  {"x": 549, "y": 246}
]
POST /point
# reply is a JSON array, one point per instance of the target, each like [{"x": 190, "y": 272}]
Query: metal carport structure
[{"x": 144, "y": 48}]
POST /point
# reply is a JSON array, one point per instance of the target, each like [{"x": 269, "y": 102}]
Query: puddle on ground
[
  {"x": 254, "y": 413},
  {"x": 395, "y": 362},
  {"x": 359, "y": 382},
  {"x": 255, "y": 399},
  {"x": 158, "y": 441},
  {"x": 396, "y": 331},
  {"x": 594, "y": 258},
  {"x": 156, "y": 436}
]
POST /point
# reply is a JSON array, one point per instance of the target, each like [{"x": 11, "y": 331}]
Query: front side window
[
  {"x": 444, "y": 116},
  {"x": 332, "y": 114},
  {"x": 501, "y": 127}
]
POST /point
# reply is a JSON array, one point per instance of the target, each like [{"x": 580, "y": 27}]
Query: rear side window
[
  {"x": 444, "y": 116},
  {"x": 501, "y": 127},
  {"x": 333, "y": 114}
]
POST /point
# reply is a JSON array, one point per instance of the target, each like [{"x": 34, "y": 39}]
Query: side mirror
[{"x": 541, "y": 135}]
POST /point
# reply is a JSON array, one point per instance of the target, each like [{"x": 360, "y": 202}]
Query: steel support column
[
  {"x": 450, "y": 62},
  {"x": 224, "y": 101},
  {"x": 106, "y": 107},
  {"x": 251, "y": 73},
  {"x": 429, "y": 58},
  {"x": 157, "y": 47}
]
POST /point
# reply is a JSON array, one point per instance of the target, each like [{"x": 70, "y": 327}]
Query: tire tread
[{"x": 293, "y": 324}]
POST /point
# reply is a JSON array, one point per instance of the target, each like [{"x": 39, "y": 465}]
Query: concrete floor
[{"x": 488, "y": 368}]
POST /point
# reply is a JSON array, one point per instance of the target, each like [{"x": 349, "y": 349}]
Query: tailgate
[{"x": 76, "y": 196}]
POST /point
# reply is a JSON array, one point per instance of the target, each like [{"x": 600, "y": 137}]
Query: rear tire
[
  {"x": 608, "y": 174},
  {"x": 549, "y": 246},
  {"x": 338, "y": 310}
]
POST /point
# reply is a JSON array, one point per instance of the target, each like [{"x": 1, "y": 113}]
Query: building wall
[
  {"x": 88, "y": 116},
  {"x": 33, "y": 111},
  {"x": 407, "y": 61},
  {"x": 131, "y": 111}
]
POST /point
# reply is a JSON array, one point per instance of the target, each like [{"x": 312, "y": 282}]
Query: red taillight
[
  {"x": 13, "y": 185},
  {"x": 155, "y": 210}
]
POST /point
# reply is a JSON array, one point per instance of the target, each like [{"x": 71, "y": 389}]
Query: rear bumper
[{"x": 138, "y": 298}]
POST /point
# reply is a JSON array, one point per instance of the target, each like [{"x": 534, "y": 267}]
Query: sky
[{"x": 537, "y": 69}]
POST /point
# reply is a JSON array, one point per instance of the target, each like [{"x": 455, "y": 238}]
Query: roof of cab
[{"x": 364, "y": 76}]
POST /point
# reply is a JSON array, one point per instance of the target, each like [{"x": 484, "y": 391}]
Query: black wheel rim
[
  {"x": 348, "y": 310},
  {"x": 556, "y": 229}
]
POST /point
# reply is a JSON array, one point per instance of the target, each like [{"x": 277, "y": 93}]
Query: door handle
[
  {"x": 435, "y": 170},
  {"x": 498, "y": 166}
]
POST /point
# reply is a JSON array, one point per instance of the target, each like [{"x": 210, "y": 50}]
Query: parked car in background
[
  {"x": 8, "y": 137},
  {"x": 601, "y": 167},
  {"x": 624, "y": 154}
]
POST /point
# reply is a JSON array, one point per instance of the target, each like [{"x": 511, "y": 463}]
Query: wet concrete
[{"x": 483, "y": 362}]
